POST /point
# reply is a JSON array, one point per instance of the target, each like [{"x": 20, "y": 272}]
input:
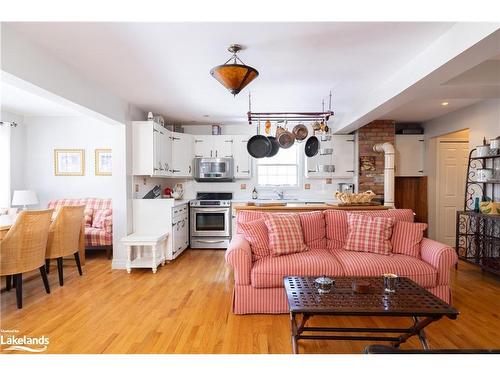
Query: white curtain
[{"x": 5, "y": 131}]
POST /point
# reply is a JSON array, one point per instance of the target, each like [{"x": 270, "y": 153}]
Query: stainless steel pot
[{"x": 495, "y": 145}]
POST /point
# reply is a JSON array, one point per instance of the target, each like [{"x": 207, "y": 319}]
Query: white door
[
  {"x": 182, "y": 154},
  {"x": 203, "y": 146},
  {"x": 242, "y": 159},
  {"x": 343, "y": 156},
  {"x": 409, "y": 155},
  {"x": 222, "y": 146},
  {"x": 451, "y": 172}
]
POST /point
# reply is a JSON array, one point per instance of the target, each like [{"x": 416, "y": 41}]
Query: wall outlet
[
  {"x": 307, "y": 186},
  {"x": 136, "y": 188},
  {"x": 243, "y": 186},
  {"x": 144, "y": 181},
  {"x": 328, "y": 181}
]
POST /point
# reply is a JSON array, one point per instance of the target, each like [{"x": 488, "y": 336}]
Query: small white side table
[{"x": 137, "y": 257}]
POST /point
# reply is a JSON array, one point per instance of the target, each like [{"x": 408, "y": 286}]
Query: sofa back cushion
[
  {"x": 100, "y": 217},
  {"x": 337, "y": 229},
  {"x": 314, "y": 229},
  {"x": 285, "y": 234},
  {"x": 369, "y": 234},
  {"x": 247, "y": 216},
  {"x": 88, "y": 214},
  {"x": 406, "y": 238},
  {"x": 256, "y": 233}
]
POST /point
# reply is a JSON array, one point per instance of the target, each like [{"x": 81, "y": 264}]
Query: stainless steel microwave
[{"x": 213, "y": 169}]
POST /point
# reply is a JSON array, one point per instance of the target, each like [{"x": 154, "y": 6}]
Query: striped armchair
[{"x": 98, "y": 221}]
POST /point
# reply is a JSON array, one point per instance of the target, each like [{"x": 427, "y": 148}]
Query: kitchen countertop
[{"x": 305, "y": 207}]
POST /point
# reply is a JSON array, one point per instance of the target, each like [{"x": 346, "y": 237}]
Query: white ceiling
[
  {"x": 24, "y": 103},
  {"x": 164, "y": 67}
]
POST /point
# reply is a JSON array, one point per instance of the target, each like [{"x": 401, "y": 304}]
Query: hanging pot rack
[{"x": 290, "y": 116}]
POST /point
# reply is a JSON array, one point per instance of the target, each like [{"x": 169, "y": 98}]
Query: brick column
[{"x": 378, "y": 131}]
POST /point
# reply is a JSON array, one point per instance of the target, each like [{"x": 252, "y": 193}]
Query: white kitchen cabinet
[
  {"x": 409, "y": 155},
  {"x": 182, "y": 154},
  {"x": 151, "y": 149},
  {"x": 202, "y": 145},
  {"x": 242, "y": 159},
  {"x": 343, "y": 156},
  {"x": 213, "y": 146}
]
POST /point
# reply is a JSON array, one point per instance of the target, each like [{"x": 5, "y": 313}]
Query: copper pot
[
  {"x": 300, "y": 132},
  {"x": 284, "y": 137}
]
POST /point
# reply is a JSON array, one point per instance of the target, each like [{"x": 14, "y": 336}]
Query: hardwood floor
[{"x": 186, "y": 308}]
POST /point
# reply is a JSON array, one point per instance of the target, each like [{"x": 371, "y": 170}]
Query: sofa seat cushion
[
  {"x": 369, "y": 264},
  {"x": 97, "y": 237},
  {"x": 269, "y": 272}
]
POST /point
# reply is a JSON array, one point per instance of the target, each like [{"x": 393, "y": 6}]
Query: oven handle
[
  {"x": 209, "y": 241},
  {"x": 213, "y": 210}
]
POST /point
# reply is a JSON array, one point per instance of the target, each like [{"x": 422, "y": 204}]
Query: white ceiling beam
[{"x": 462, "y": 47}]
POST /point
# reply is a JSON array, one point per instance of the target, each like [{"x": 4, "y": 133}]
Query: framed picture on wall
[
  {"x": 103, "y": 162},
  {"x": 69, "y": 162}
]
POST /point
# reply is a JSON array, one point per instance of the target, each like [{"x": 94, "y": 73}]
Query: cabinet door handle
[
  {"x": 309, "y": 171},
  {"x": 245, "y": 171},
  {"x": 175, "y": 170},
  {"x": 350, "y": 171},
  {"x": 189, "y": 169},
  {"x": 175, "y": 139},
  {"x": 210, "y": 153},
  {"x": 216, "y": 153},
  {"x": 198, "y": 156},
  {"x": 154, "y": 130},
  {"x": 229, "y": 140},
  {"x": 198, "y": 140},
  {"x": 229, "y": 156},
  {"x": 420, "y": 171}
]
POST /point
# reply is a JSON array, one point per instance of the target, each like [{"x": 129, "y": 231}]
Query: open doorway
[{"x": 451, "y": 160}]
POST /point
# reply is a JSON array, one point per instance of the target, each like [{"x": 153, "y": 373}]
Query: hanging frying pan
[
  {"x": 259, "y": 146},
  {"x": 275, "y": 146},
  {"x": 312, "y": 146},
  {"x": 300, "y": 131}
]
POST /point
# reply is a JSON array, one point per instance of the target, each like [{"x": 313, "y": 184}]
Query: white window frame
[{"x": 297, "y": 166}]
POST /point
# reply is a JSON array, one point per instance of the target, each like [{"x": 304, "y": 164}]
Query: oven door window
[{"x": 210, "y": 221}]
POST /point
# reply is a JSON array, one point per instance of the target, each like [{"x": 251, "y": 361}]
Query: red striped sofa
[
  {"x": 95, "y": 238},
  {"x": 259, "y": 288}
]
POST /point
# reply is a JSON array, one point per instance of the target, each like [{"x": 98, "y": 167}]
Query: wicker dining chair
[
  {"x": 23, "y": 249},
  {"x": 64, "y": 237}
]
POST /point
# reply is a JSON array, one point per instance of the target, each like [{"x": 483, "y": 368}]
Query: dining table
[{"x": 6, "y": 222}]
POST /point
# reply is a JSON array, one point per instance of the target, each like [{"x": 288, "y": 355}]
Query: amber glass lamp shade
[{"x": 234, "y": 77}]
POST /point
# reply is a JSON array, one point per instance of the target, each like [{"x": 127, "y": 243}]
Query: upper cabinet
[
  {"x": 336, "y": 153},
  {"x": 242, "y": 159},
  {"x": 182, "y": 154},
  {"x": 409, "y": 155},
  {"x": 152, "y": 147},
  {"x": 213, "y": 146}
]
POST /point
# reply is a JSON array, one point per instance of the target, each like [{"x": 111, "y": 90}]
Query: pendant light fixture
[{"x": 234, "y": 76}]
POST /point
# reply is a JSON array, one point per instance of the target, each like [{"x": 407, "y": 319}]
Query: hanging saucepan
[
  {"x": 300, "y": 132},
  {"x": 284, "y": 137},
  {"x": 275, "y": 146},
  {"x": 312, "y": 146},
  {"x": 259, "y": 146}
]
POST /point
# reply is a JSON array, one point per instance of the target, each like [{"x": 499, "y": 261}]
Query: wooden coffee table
[{"x": 409, "y": 300}]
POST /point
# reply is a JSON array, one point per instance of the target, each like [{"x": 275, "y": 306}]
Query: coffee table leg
[
  {"x": 422, "y": 336},
  {"x": 293, "y": 322}
]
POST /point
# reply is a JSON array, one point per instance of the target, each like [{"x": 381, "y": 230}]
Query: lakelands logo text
[{"x": 23, "y": 343}]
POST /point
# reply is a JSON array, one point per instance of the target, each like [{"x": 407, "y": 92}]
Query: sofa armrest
[
  {"x": 442, "y": 257},
  {"x": 239, "y": 256}
]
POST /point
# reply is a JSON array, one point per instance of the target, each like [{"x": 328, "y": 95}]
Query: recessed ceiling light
[{"x": 444, "y": 104}]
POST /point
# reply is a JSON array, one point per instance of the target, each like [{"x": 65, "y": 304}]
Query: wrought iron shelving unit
[{"x": 478, "y": 234}]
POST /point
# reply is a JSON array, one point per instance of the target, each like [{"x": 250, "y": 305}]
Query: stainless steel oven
[{"x": 210, "y": 220}]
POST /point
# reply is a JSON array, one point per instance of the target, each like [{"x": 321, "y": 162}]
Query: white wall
[
  {"x": 481, "y": 119},
  {"x": 44, "y": 134}
]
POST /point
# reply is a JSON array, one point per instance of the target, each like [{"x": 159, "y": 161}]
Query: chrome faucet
[{"x": 280, "y": 194}]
